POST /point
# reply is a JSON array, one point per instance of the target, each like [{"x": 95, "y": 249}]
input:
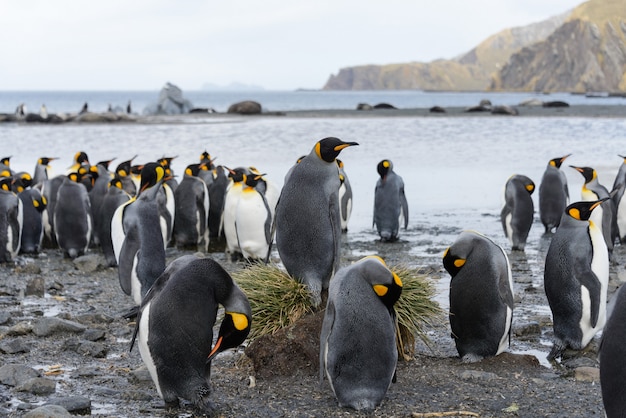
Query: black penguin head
[
  {"x": 383, "y": 168},
  {"x": 25, "y": 179},
  {"x": 193, "y": 169},
  {"x": 151, "y": 174},
  {"x": 116, "y": 182},
  {"x": 556, "y": 162},
  {"x": 6, "y": 184},
  {"x": 6, "y": 161},
  {"x": 329, "y": 148},
  {"x": 251, "y": 180},
  {"x": 45, "y": 160},
  {"x": 233, "y": 331},
  {"x": 205, "y": 158},
  {"x": 123, "y": 168},
  {"x": 237, "y": 175},
  {"x": 624, "y": 158},
  {"x": 104, "y": 164},
  {"x": 18, "y": 185},
  {"x": 452, "y": 263},
  {"x": 581, "y": 211},
  {"x": 81, "y": 158},
  {"x": 39, "y": 202},
  {"x": 166, "y": 161},
  {"x": 588, "y": 173}
]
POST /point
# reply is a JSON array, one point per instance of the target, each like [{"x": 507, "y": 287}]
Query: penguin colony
[{"x": 135, "y": 211}]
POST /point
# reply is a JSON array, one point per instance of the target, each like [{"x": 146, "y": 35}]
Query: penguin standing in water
[
  {"x": 253, "y": 220},
  {"x": 603, "y": 216},
  {"x": 612, "y": 354},
  {"x": 390, "y": 205},
  {"x": 345, "y": 197},
  {"x": 33, "y": 204},
  {"x": 137, "y": 236},
  {"x": 11, "y": 220},
  {"x": 72, "y": 217},
  {"x": 553, "y": 194},
  {"x": 113, "y": 199},
  {"x": 308, "y": 220},
  {"x": 481, "y": 296},
  {"x": 192, "y": 209},
  {"x": 518, "y": 210},
  {"x": 619, "y": 203},
  {"x": 576, "y": 278},
  {"x": 175, "y": 328},
  {"x": 358, "y": 351}
]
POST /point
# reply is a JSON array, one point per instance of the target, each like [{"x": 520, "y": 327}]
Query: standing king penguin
[
  {"x": 33, "y": 204},
  {"x": 308, "y": 222},
  {"x": 192, "y": 210},
  {"x": 518, "y": 210},
  {"x": 358, "y": 351},
  {"x": 115, "y": 197},
  {"x": 11, "y": 219},
  {"x": 175, "y": 327},
  {"x": 481, "y": 296},
  {"x": 253, "y": 220},
  {"x": 576, "y": 278},
  {"x": 390, "y": 205},
  {"x": 72, "y": 217},
  {"x": 553, "y": 194}
]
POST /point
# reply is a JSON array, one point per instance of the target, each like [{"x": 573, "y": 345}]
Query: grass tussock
[
  {"x": 415, "y": 309},
  {"x": 276, "y": 299}
]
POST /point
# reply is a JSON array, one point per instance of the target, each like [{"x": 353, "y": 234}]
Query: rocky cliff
[
  {"x": 581, "y": 50},
  {"x": 586, "y": 54}
]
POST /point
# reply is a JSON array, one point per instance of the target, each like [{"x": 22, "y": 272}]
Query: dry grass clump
[
  {"x": 276, "y": 299},
  {"x": 415, "y": 309}
]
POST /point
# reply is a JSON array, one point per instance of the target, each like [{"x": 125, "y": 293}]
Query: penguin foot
[
  {"x": 557, "y": 351},
  {"x": 131, "y": 313}
]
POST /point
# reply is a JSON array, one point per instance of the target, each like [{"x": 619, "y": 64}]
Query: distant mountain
[
  {"x": 581, "y": 50},
  {"x": 585, "y": 54},
  {"x": 231, "y": 87}
]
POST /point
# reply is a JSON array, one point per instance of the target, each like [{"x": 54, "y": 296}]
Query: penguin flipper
[
  {"x": 592, "y": 284},
  {"x": 126, "y": 260},
  {"x": 405, "y": 207},
  {"x": 327, "y": 326}
]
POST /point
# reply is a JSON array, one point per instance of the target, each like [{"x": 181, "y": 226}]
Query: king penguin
[
  {"x": 481, "y": 296},
  {"x": 553, "y": 194},
  {"x": 11, "y": 220},
  {"x": 175, "y": 327},
  {"x": 72, "y": 217},
  {"x": 102, "y": 177},
  {"x": 115, "y": 197},
  {"x": 611, "y": 355},
  {"x": 33, "y": 204},
  {"x": 604, "y": 215},
  {"x": 576, "y": 278},
  {"x": 390, "y": 205},
  {"x": 518, "y": 210},
  {"x": 345, "y": 197},
  {"x": 42, "y": 170},
  {"x": 227, "y": 224},
  {"x": 217, "y": 193},
  {"x": 358, "y": 351},
  {"x": 192, "y": 210},
  {"x": 80, "y": 160},
  {"x": 308, "y": 220},
  {"x": 619, "y": 203},
  {"x": 137, "y": 236},
  {"x": 253, "y": 220}
]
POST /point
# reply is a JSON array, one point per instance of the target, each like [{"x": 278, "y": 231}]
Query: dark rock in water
[
  {"x": 16, "y": 374},
  {"x": 34, "y": 117},
  {"x": 48, "y": 411},
  {"x": 478, "y": 108},
  {"x": 35, "y": 287},
  {"x": 555, "y": 103},
  {"x": 246, "y": 107},
  {"x": 202, "y": 110},
  {"x": 38, "y": 386},
  {"x": 76, "y": 405},
  {"x": 437, "y": 109},
  {"x": 384, "y": 106},
  {"x": 291, "y": 350},
  {"x": 171, "y": 102},
  {"x": 504, "y": 110},
  {"x": 364, "y": 106}
]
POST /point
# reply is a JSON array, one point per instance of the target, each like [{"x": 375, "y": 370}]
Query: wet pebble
[
  {"x": 16, "y": 374},
  {"x": 35, "y": 287},
  {"x": 76, "y": 405},
  {"x": 48, "y": 411},
  {"x": 90, "y": 262},
  {"x": 13, "y": 346},
  {"x": 85, "y": 348},
  {"x": 38, "y": 386},
  {"x": 529, "y": 330},
  {"x": 587, "y": 374},
  {"x": 51, "y": 325}
]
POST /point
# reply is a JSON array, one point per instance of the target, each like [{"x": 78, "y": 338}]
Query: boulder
[
  {"x": 171, "y": 102},
  {"x": 247, "y": 107}
]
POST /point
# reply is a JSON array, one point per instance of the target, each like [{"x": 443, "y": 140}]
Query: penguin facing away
[
  {"x": 174, "y": 327},
  {"x": 576, "y": 278},
  {"x": 307, "y": 222},
  {"x": 358, "y": 351},
  {"x": 553, "y": 194},
  {"x": 72, "y": 217},
  {"x": 11, "y": 221},
  {"x": 611, "y": 355},
  {"x": 619, "y": 203},
  {"x": 391, "y": 209},
  {"x": 192, "y": 210},
  {"x": 481, "y": 296},
  {"x": 517, "y": 210}
]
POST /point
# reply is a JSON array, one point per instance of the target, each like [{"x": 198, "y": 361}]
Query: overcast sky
[{"x": 275, "y": 44}]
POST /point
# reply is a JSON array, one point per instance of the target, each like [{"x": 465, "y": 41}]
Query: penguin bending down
[
  {"x": 576, "y": 278},
  {"x": 11, "y": 220},
  {"x": 358, "y": 351},
  {"x": 553, "y": 194},
  {"x": 72, "y": 217},
  {"x": 33, "y": 204},
  {"x": 175, "y": 327},
  {"x": 481, "y": 296},
  {"x": 518, "y": 210},
  {"x": 308, "y": 221},
  {"x": 611, "y": 355},
  {"x": 390, "y": 205}
]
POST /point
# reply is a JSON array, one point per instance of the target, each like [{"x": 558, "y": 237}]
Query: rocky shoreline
[{"x": 65, "y": 342}]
